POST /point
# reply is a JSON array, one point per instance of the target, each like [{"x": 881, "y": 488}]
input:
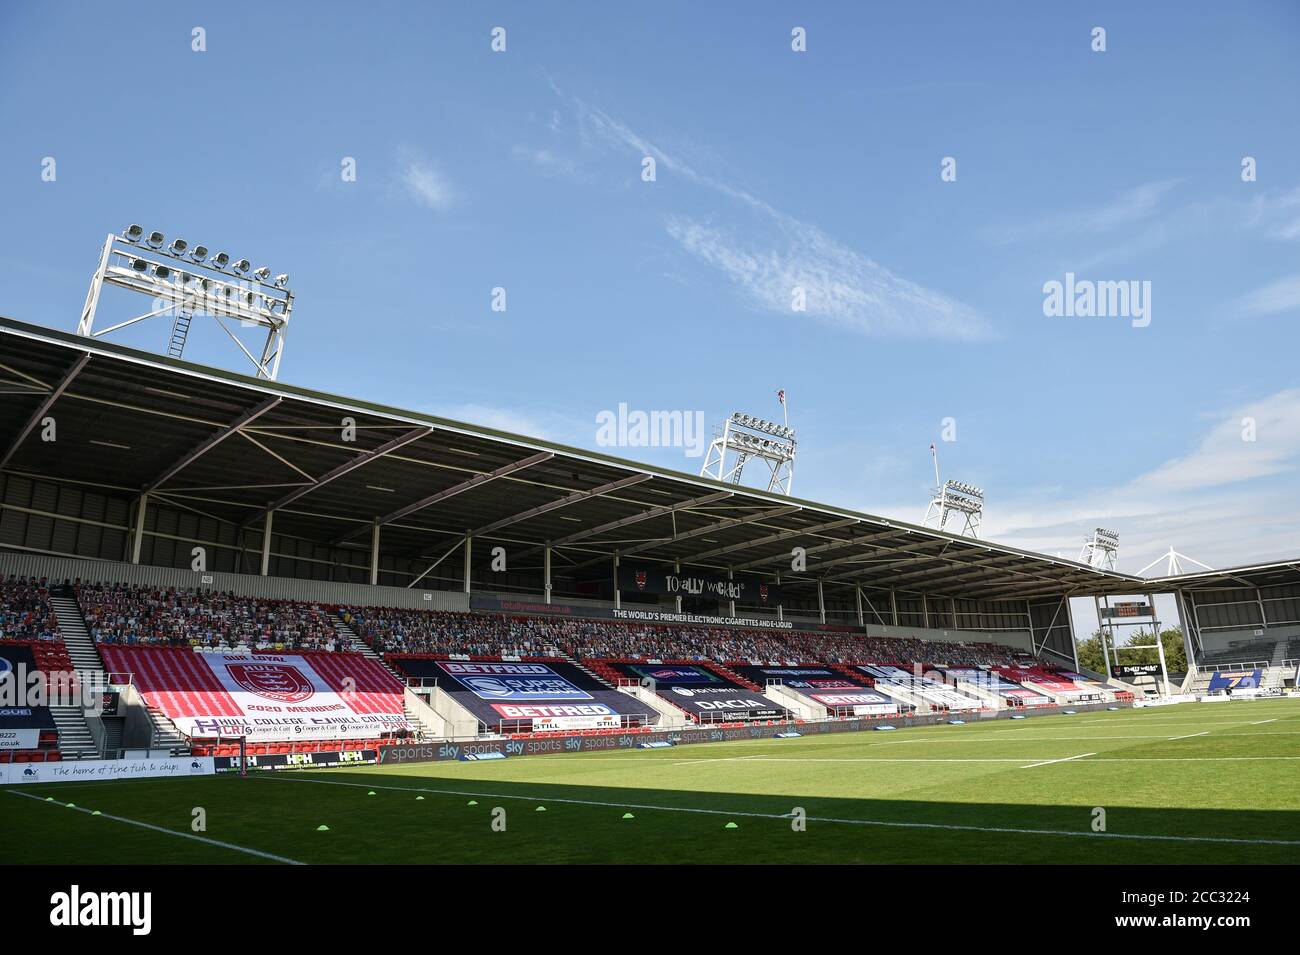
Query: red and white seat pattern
[{"x": 188, "y": 687}]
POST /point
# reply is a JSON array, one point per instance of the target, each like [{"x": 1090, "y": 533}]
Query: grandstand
[{"x": 234, "y": 566}]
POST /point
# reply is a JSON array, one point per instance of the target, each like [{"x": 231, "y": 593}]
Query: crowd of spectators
[
  {"x": 25, "y": 610},
  {"x": 116, "y": 613},
  {"x": 479, "y": 634}
]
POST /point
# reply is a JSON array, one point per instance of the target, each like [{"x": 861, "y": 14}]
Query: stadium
[
  {"x": 260, "y": 612},
  {"x": 383, "y": 600}
]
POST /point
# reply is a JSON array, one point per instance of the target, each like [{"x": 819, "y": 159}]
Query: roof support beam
[
  {"x": 823, "y": 548},
  {"x": 565, "y": 501},
  {"x": 44, "y": 407},
  {"x": 659, "y": 511},
  {"x": 701, "y": 531},
  {"x": 811, "y": 531},
  {"x": 233, "y": 428},
  {"x": 362, "y": 459},
  {"x": 455, "y": 489}
]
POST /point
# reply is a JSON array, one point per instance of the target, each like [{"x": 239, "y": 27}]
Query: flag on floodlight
[{"x": 780, "y": 396}]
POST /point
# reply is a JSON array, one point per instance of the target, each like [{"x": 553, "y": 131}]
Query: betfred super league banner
[
  {"x": 537, "y": 694},
  {"x": 743, "y": 588},
  {"x": 269, "y": 698}
]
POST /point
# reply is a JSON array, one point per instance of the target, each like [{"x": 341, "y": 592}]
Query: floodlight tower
[
  {"x": 954, "y": 498},
  {"x": 185, "y": 281},
  {"x": 743, "y": 437},
  {"x": 1101, "y": 550}
]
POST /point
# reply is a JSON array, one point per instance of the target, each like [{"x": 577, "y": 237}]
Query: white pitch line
[
  {"x": 170, "y": 832},
  {"x": 883, "y": 823},
  {"x": 1262, "y": 722},
  {"x": 1189, "y": 736},
  {"x": 1064, "y": 759}
]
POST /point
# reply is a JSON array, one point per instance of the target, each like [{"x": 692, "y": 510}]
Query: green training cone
[
  {"x": 371, "y": 793},
  {"x": 472, "y": 802},
  {"x": 731, "y": 825},
  {"x": 540, "y": 809},
  {"x": 628, "y": 815},
  {"x": 96, "y": 813},
  {"x": 419, "y": 798},
  {"x": 322, "y": 828}
]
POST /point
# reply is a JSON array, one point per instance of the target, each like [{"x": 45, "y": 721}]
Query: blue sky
[{"x": 821, "y": 169}]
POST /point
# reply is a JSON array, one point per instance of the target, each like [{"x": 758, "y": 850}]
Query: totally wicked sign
[{"x": 656, "y": 580}]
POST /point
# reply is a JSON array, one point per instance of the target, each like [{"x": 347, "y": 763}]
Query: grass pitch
[{"x": 1193, "y": 783}]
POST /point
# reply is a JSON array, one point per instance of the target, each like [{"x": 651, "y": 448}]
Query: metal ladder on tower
[{"x": 180, "y": 329}]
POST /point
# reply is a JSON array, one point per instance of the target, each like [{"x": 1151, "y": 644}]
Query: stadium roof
[
  {"x": 231, "y": 446},
  {"x": 1270, "y": 574}
]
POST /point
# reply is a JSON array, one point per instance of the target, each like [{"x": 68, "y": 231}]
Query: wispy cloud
[
  {"x": 547, "y": 161},
  {"x": 779, "y": 253},
  {"x": 423, "y": 182},
  {"x": 1226, "y": 501},
  {"x": 1257, "y": 440},
  {"x": 1280, "y": 296},
  {"x": 1123, "y": 211},
  {"x": 840, "y": 285}
]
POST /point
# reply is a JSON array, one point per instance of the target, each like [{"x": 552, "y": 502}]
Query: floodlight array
[
  {"x": 209, "y": 293},
  {"x": 754, "y": 423}
]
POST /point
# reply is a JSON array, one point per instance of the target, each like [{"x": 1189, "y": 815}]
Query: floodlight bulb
[{"x": 132, "y": 233}]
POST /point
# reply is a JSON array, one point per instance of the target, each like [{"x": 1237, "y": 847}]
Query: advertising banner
[
  {"x": 644, "y": 615},
  {"x": 824, "y": 686},
  {"x": 538, "y": 696},
  {"x": 96, "y": 770},
  {"x": 279, "y": 698},
  {"x": 702, "y": 693},
  {"x": 743, "y": 588},
  {"x": 20, "y": 723}
]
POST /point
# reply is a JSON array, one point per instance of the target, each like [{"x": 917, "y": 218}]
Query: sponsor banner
[
  {"x": 643, "y": 615},
  {"x": 431, "y": 752},
  {"x": 825, "y": 686},
  {"x": 512, "y": 681},
  {"x": 1135, "y": 669},
  {"x": 862, "y": 702},
  {"x": 703, "y": 693},
  {"x": 551, "y": 724},
  {"x": 350, "y": 757},
  {"x": 20, "y": 725},
  {"x": 507, "y": 695},
  {"x": 1246, "y": 680},
  {"x": 20, "y": 728},
  {"x": 284, "y": 698},
  {"x": 996, "y": 683},
  {"x": 657, "y": 580},
  {"x": 97, "y": 770},
  {"x": 670, "y": 675}
]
